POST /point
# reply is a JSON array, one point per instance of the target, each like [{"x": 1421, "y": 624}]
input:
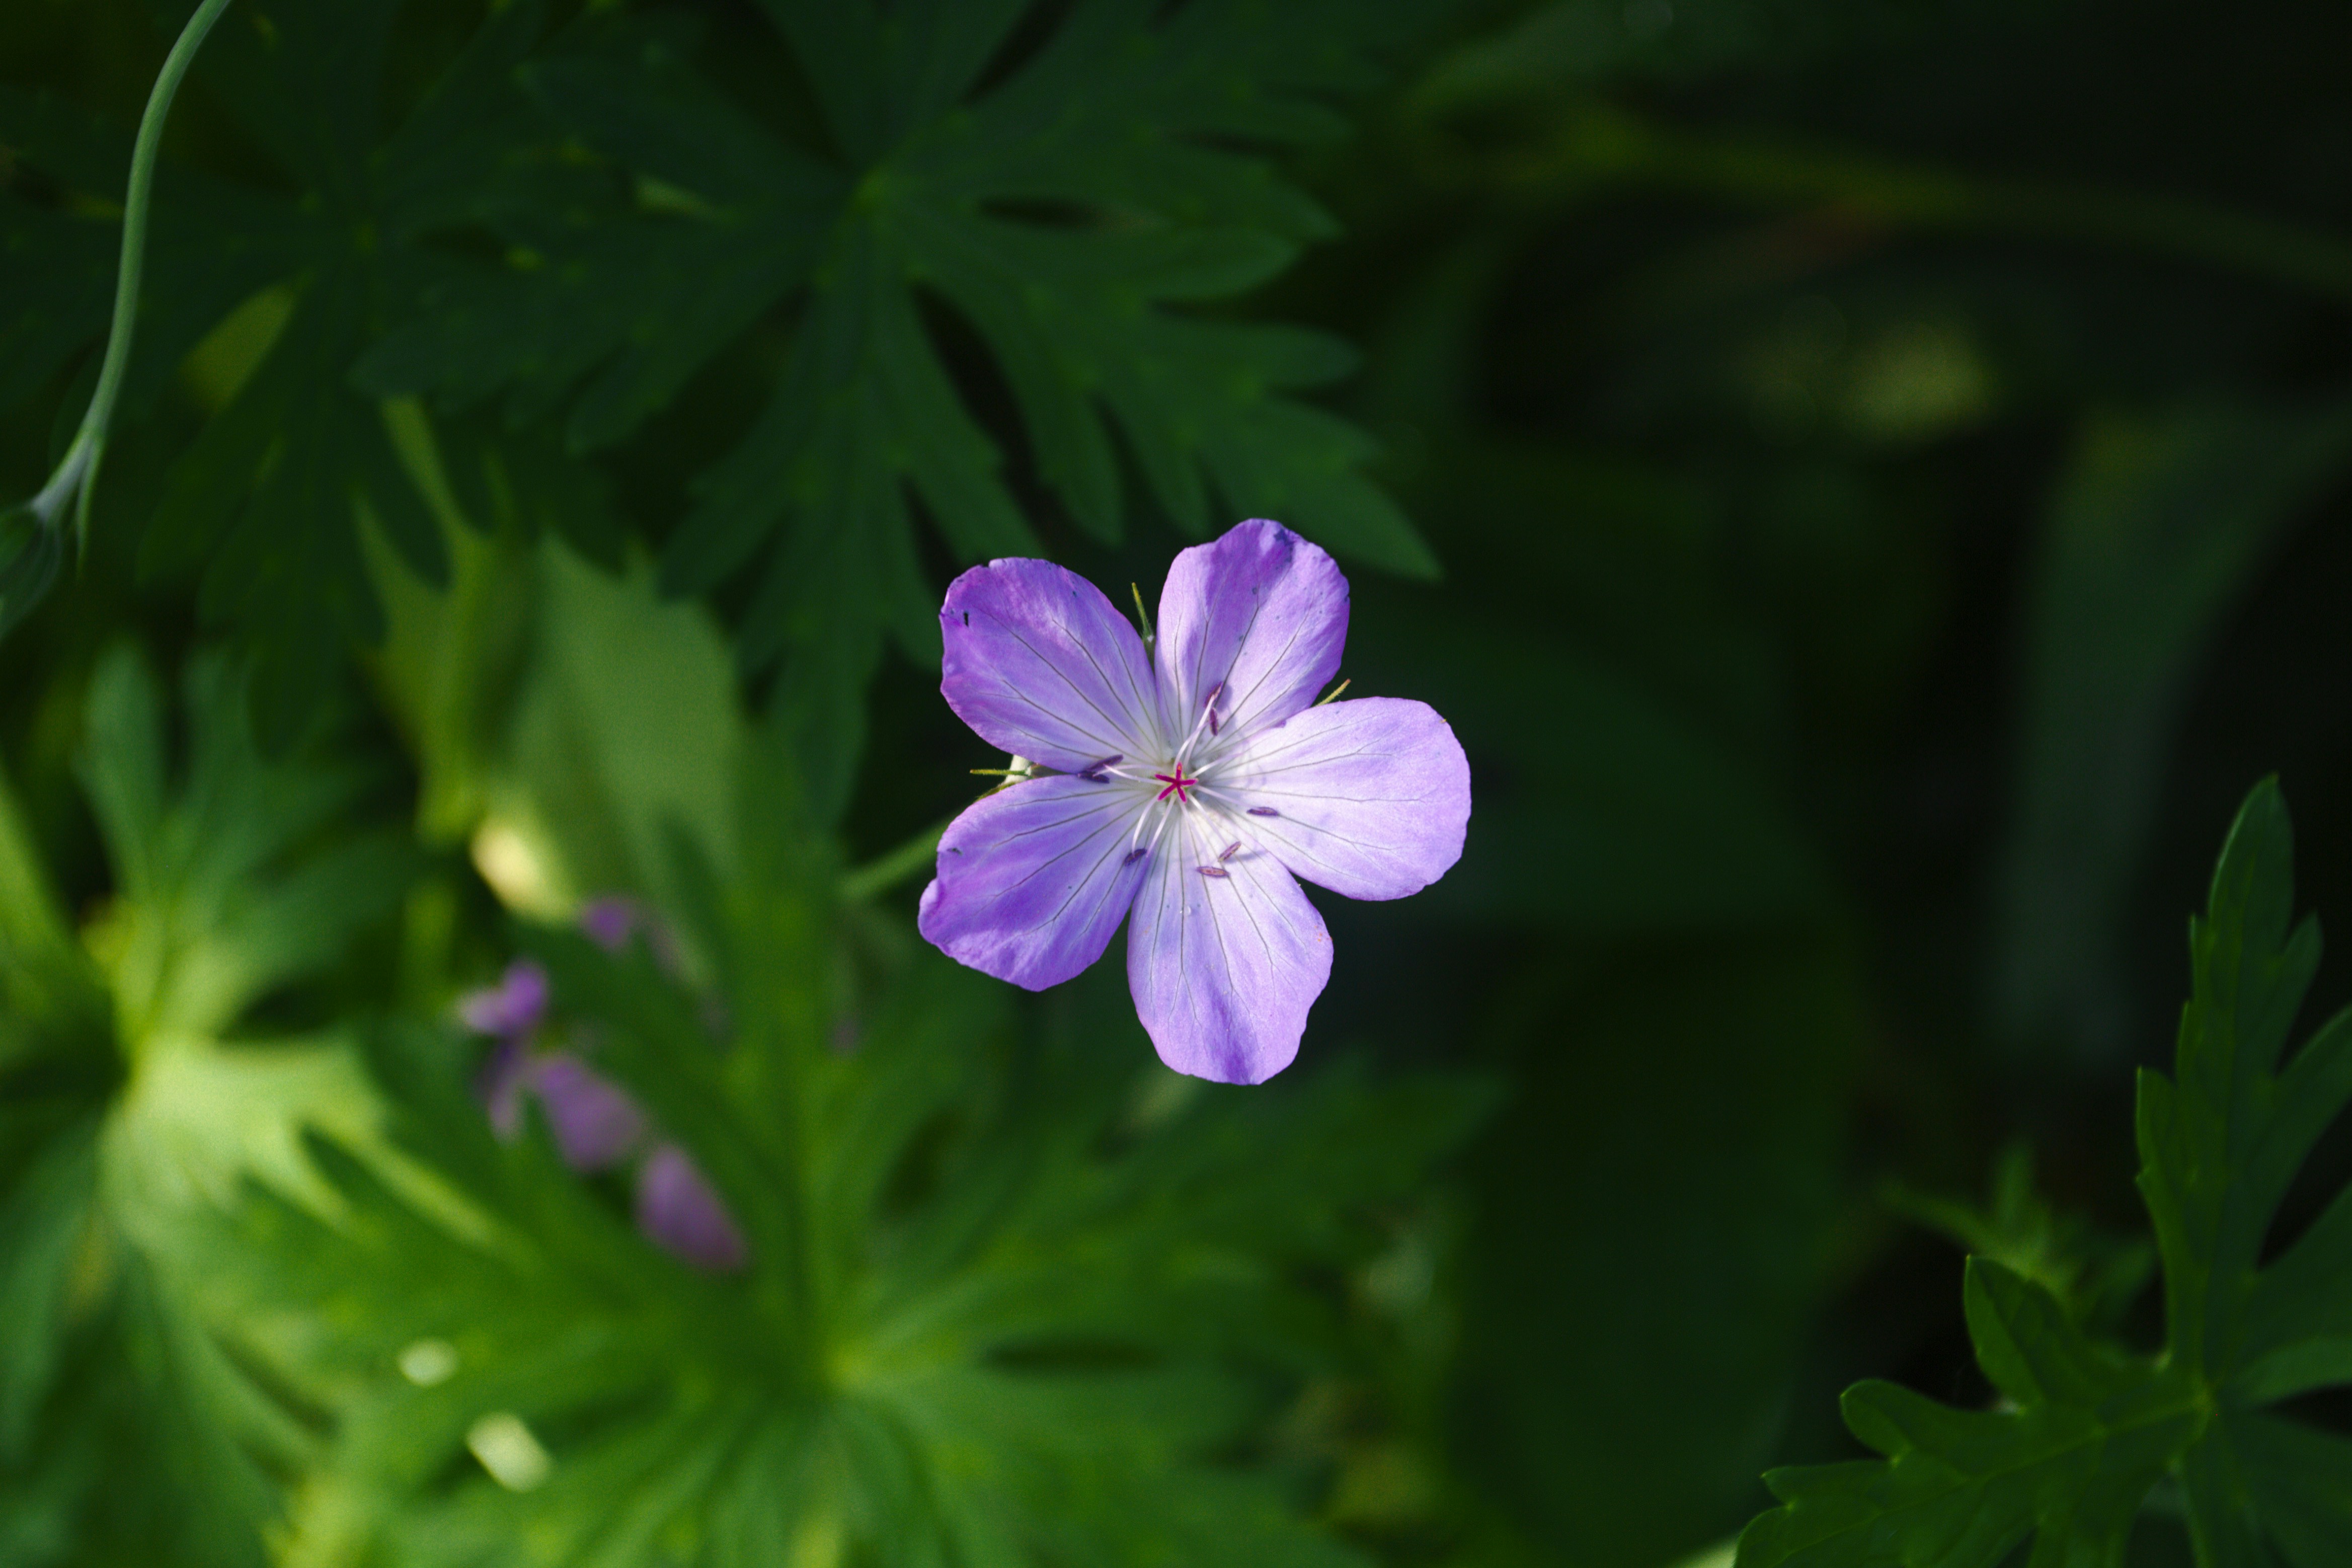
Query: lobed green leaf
[{"x": 2085, "y": 1432}]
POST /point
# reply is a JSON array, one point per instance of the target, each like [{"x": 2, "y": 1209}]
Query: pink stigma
[{"x": 1176, "y": 785}]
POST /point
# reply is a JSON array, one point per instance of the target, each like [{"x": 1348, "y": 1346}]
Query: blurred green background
[{"x": 1867, "y": 482}]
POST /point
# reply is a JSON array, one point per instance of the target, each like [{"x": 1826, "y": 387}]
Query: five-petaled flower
[{"x": 1191, "y": 780}]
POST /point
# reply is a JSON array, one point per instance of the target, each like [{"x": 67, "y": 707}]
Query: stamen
[
  {"x": 1263, "y": 811},
  {"x": 1219, "y": 872},
  {"x": 1093, "y": 772},
  {"x": 1137, "y": 853},
  {"x": 1231, "y": 851},
  {"x": 1165, "y": 818},
  {"x": 1185, "y": 751}
]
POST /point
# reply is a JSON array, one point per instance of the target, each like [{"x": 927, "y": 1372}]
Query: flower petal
[
  {"x": 1368, "y": 798},
  {"x": 677, "y": 1209},
  {"x": 1039, "y": 663},
  {"x": 512, "y": 1008},
  {"x": 1261, "y": 613},
  {"x": 1033, "y": 879},
  {"x": 594, "y": 1121},
  {"x": 1224, "y": 968}
]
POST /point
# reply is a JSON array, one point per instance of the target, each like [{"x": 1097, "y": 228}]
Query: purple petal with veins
[
  {"x": 677, "y": 1209},
  {"x": 1368, "y": 798},
  {"x": 1195, "y": 784},
  {"x": 1038, "y": 661},
  {"x": 1223, "y": 967},
  {"x": 1253, "y": 623},
  {"x": 1032, "y": 880}
]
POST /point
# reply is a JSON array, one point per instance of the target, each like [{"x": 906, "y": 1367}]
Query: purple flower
[
  {"x": 510, "y": 1010},
  {"x": 595, "y": 1123},
  {"x": 677, "y": 1209},
  {"x": 1193, "y": 780},
  {"x": 609, "y": 921}
]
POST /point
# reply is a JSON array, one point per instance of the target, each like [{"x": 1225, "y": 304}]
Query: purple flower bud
[
  {"x": 677, "y": 1210},
  {"x": 613, "y": 920},
  {"x": 595, "y": 1123},
  {"x": 609, "y": 921},
  {"x": 511, "y": 1009}
]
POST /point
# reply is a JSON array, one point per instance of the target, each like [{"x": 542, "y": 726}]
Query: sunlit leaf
[{"x": 129, "y": 1120}]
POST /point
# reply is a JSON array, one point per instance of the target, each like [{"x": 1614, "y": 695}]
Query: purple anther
[
  {"x": 1093, "y": 772},
  {"x": 1217, "y": 871},
  {"x": 1137, "y": 853},
  {"x": 1213, "y": 720},
  {"x": 1230, "y": 850},
  {"x": 1263, "y": 811}
]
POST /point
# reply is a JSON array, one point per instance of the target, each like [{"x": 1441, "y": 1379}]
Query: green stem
[
  {"x": 877, "y": 876},
  {"x": 77, "y": 472}
]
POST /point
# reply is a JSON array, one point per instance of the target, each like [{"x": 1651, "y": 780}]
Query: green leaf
[
  {"x": 2089, "y": 1434},
  {"x": 58, "y": 261},
  {"x": 127, "y": 1118},
  {"x": 1068, "y": 212},
  {"x": 568, "y": 721},
  {"x": 223, "y": 897},
  {"x": 2085, "y": 1430},
  {"x": 998, "y": 1309},
  {"x": 266, "y": 507},
  {"x": 2096, "y": 1276}
]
